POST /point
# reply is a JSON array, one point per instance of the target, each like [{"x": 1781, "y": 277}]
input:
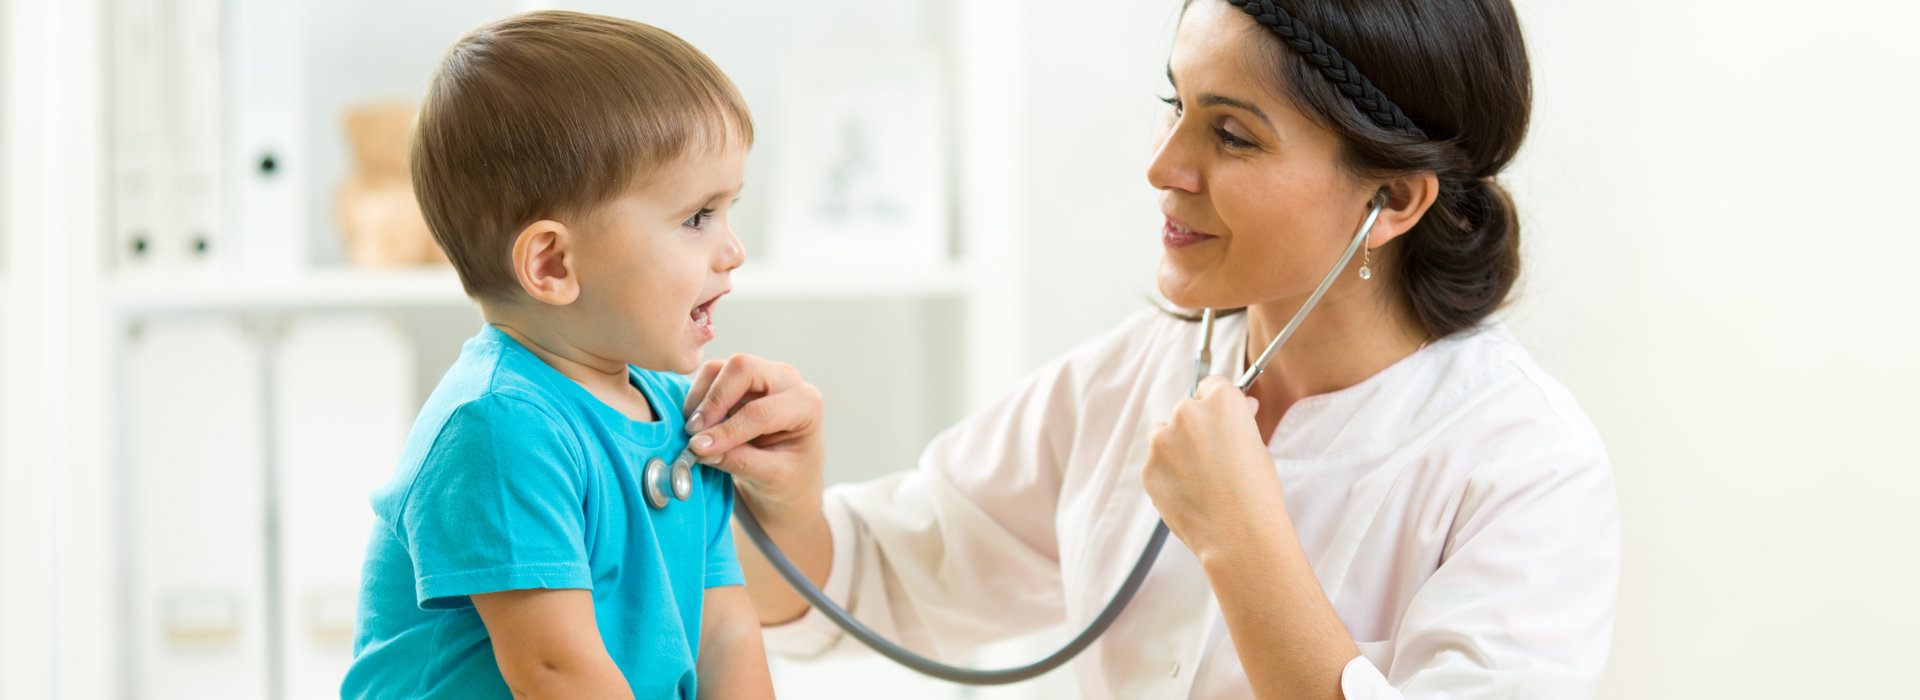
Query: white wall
[
  {"x": 1718, "y": 258},
  {"x": 1092, "y": 223}
]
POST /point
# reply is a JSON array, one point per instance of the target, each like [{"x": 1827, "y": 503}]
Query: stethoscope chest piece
[{"x": 660, "y": 479}]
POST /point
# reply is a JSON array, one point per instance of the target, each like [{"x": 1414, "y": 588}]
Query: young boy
[{"x": 578, "y": 172}]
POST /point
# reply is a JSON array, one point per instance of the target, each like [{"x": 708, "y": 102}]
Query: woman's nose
[{"x": 1172, "y": 167}]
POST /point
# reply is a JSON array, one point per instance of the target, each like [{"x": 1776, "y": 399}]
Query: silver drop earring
[{"x": 1366, "y": 255}]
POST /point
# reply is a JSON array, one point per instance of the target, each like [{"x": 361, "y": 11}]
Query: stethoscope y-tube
[{"x": 804, "y": 586}]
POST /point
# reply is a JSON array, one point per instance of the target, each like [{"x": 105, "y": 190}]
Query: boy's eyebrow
[
  {"x": 716, "y": 194},
  {"x": 1212, "y": 100},
  {"x": 711, "y": 196}
]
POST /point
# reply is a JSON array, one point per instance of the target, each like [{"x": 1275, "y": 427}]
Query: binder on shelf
[
  {"x": 137, "y": 132},
  {"x": 343, "y": 404},
  {"x": 167, "y": 105},
  {"x": 199, "y": 128},
  {"x": 266, "y": 158},
  {"x": 193, "y": 490}
]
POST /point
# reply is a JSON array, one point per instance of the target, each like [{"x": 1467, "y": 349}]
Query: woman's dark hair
[{"x": 1457, "y": 71}]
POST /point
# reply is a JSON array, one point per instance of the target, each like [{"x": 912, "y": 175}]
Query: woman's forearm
[
  {"x": 805, "y": 539},
  {"x": 1290, "y": 641}
]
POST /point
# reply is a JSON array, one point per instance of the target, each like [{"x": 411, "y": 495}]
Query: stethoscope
[{"x": 662, "y": 479}]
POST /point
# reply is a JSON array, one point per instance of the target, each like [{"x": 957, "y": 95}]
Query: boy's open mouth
[{"x": 702, "y": 315}]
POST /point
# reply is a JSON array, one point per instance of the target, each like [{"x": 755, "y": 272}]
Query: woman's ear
[
  {"x": 1408, "y": 199},
  {"x": 543, "y": 263}
]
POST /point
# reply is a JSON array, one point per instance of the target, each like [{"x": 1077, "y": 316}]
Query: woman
[{"x": 1403, "y": 505}]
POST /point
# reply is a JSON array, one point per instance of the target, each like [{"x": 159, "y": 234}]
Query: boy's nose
[{"x": 732, "y": 254}]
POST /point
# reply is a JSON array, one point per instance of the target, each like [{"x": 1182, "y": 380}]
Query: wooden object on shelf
[{"x": 380, "y": 222}]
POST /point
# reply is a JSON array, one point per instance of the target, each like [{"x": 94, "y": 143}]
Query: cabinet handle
[{"x": 205, "y": 619}]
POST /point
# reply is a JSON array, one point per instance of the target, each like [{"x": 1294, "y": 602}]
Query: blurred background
[{"x": 217, "y": 317}]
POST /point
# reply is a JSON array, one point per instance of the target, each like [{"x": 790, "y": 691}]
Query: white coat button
[{"x": 1174, "y": 671}]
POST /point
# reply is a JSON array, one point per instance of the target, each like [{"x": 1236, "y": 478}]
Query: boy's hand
[{"x": 758, "y": 421}]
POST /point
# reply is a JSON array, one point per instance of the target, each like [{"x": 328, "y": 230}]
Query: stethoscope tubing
[
  {"x": 1138, "y": 575},
  {"x": 802, "y": 585}
]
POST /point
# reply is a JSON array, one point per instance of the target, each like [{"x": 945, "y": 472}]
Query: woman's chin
[
  {"x": 1181, "y": 289},
  {"x": 1196, "y": 298}
]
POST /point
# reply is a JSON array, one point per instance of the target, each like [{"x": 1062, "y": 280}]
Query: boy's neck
[{"x": 605, "y": 378}]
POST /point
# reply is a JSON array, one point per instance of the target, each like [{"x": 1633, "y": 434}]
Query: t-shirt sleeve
[
  {"x": 723, "y": 564},
  {"x": 498, "y": 505}
]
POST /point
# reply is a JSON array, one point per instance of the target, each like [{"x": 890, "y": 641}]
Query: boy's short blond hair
[{"x": 550, "y": 114}]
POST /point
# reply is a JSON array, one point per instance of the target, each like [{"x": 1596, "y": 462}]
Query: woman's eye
[
  {"x": 1173, "y": 102},
  {"x": 699, "y": 219},
  {"x": 1229, "y": 140}
]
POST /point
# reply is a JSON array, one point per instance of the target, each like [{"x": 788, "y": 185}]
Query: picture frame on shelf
[{"x": 861, "y": 163}]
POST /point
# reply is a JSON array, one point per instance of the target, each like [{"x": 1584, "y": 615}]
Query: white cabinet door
[
  {"x": 344, "y": 401},
  {"x": 196, "y": 512}
]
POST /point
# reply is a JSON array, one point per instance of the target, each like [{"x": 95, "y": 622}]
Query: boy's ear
[
  {"x": 543, "y": 263},
  {"x": 1408, "y": 199}
]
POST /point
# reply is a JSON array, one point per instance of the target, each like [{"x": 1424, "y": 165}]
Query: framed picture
[{"x": 861, "y": 171}]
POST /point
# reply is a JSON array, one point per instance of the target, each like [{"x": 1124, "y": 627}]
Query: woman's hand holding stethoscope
[
  {"x": 1208, "y": 472},
  {"x": 758, "y": 421}
]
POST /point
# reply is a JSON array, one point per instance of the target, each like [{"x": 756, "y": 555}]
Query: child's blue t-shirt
[{"x": 515, "y": 477}]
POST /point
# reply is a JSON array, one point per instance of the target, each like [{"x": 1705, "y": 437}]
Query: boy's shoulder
[
  {"x": 493, "y": 372},
  {"x": 492, "y": 367},
  {"x": 498, "y": 383},
  {"x": 492, "y": 403}
]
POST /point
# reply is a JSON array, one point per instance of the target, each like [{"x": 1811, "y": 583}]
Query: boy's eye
[{"x": 699, "y": 219}]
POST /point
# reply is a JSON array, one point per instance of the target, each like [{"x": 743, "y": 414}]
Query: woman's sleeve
[
  {"x": 1522, "y": 604},
  {"x": 962, "y": 550}
]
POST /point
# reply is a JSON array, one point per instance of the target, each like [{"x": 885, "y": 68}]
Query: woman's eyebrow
[{"x": 1211, "y": 100}]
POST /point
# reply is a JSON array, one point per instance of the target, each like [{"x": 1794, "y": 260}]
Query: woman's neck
[
  {"x": 606, "y": 379},
  {"x": 1345, "y": 339}
]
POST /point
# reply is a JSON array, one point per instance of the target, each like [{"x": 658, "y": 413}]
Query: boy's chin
[
  {"x": 677, "y": 361},
  {"x": 687, "y": 362}
]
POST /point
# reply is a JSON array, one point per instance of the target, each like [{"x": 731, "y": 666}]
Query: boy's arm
[
  {"x": 548, "y": 645},
  {"x": 732, "y": 661}
]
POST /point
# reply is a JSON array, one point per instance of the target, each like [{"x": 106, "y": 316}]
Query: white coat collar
[{"x": 1388, "y": 410}]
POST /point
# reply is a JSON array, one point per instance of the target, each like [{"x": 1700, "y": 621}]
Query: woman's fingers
[
  {"x": 702, "y": 381},
  {"x": 781, "y": 415},
  {"x": 752, "y": 463},
  {"x": 738, "y": 379}
]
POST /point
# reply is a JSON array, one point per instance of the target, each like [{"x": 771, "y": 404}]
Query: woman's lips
[{"x": 1174, "y": 235}]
